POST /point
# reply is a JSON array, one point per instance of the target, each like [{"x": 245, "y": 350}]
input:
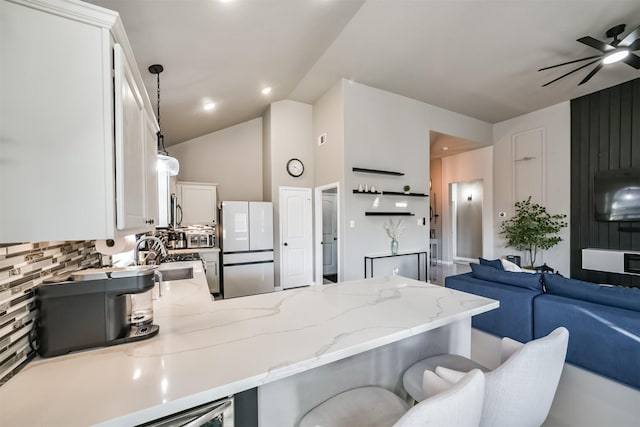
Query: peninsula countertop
[{"x": 209, "y": 349}]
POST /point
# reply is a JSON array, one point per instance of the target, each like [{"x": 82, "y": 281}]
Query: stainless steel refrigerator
[{"x": 247, "y": 248}]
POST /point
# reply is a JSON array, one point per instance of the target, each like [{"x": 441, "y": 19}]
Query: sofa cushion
[
  {"x": 495, "y": 263},
  {"x": 602, "y": 339},
  {"x": 615, "y": 296},
  {"x": 521, "y": 280},
  {"x": 514, "y": 317}
]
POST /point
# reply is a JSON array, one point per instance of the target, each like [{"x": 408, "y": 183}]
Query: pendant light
[{"x": 166, "y": 164}]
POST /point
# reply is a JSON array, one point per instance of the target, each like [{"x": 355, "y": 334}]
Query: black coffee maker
[{"x": 92, "y": 308}]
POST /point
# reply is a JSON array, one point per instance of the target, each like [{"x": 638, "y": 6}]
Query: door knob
[{"x": 286, "y": 244}]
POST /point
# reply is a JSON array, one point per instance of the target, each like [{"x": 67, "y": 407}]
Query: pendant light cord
[
  {"x": 160, "y": 135},
  {"x": 157, "y": 69},
  {"x": 158, "y": 107}
]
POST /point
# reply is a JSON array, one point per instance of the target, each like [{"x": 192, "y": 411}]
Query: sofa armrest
[{"x": 514, "y": 317}]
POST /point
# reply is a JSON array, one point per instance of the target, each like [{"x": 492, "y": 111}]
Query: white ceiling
[{"x": 474, "y": 57}]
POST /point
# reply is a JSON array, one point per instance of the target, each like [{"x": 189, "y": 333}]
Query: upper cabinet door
[
  {"x": 61, "y": 131},
  {"x": 198, "y": 203},
  {"x": 129, "y": 147}
]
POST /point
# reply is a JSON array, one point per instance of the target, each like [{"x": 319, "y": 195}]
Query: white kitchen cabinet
[
  {"x": 212, "y": 273},
  {"x": 152, "y": 214},
  {"x": 199, "y": 202},
  {"x": 75, "y": 148}
]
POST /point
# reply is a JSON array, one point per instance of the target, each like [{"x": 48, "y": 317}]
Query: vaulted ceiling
[{"x": 475, "y": 57}]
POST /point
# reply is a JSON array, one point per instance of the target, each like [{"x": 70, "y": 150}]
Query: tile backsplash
[{"x": 22, "y": 267}]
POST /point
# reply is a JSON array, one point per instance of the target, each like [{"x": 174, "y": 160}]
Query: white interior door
[
  {"x": 296, "y": 255},
  {"x": 329, "y": 234}
]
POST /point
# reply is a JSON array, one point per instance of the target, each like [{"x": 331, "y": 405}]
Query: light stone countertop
[{"x": 211, "y": 349}]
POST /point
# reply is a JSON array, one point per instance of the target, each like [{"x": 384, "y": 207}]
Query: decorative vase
[{"x": 394, "y": 247}]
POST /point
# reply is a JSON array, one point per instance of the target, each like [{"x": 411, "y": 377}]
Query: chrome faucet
[{"x": 157, "y": 246}]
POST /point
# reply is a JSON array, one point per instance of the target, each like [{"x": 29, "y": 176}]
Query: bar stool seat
[
  {"x": 360, "y": 407},
  {"x": 456, "y": 404}
]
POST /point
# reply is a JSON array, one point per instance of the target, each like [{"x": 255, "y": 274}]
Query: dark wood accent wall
[{"x": 605, "y": 135}]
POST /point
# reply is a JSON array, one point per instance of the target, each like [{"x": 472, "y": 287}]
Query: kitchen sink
[{"x": 177, "y": 274}]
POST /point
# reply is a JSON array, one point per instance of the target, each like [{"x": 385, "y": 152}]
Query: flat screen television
[{"x": 616, "y": 195}]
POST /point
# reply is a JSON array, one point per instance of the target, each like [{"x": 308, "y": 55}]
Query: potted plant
[
  {"x": 532, "y": 229},
  {"x": 406, "y": 189}
]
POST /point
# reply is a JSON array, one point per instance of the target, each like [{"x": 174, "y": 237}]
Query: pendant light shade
[{"x": 166, "y": 164}]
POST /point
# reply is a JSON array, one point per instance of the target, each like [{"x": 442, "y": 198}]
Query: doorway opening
[
  {"x": 327, "y": 219},
  {"x": 466, "y": 220}
]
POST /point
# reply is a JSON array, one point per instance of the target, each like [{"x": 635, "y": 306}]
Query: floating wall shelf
[
  {"x": 381, "y": 213},
  {"x": 391, "y": 193},
  {"x": 381, "y": 172},
  {"x": 399, "y": 193}
]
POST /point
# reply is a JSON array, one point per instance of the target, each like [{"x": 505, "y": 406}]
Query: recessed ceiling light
[
  {"x": 225, "y": 1},
  {"x": 445, "y": 148},
  {"x": 266, "y": 90},
  {"x": 209, "y": 106}
]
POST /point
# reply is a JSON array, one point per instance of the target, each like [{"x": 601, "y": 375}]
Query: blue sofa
[{"x": 603, "y": 321}]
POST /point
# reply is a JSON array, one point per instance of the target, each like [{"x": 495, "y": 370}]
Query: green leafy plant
[{"x": 532, "y": 228}]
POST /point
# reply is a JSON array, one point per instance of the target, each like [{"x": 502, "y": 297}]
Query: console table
[{"x": 369, "y": 261}]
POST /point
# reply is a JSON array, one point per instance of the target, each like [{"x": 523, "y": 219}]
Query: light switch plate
[{"x": 352, "y": 224}]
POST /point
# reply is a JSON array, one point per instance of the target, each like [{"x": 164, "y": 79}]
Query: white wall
[
  {"x": 328, "y": 119},
  {"x": 389, "y": 132},
  {"x": 555, "y": 122},
  {"x": 266, "y": 156},
  {"x": 467, "y": 167},
  {"x": 290, "y": 130},
  {"x": 231, "y": 158}
]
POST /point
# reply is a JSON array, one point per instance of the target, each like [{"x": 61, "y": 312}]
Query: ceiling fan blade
[
  {"x": 631, "y": 38},
  {"x": 570, "y": 62},
  {"x": 635, "y": 45},
  {"x": 571, "y": 72},
  {"x": 596, "y": 44},
  {"x": 632, "y": 60},
  {"x": 591, "y": 74}
]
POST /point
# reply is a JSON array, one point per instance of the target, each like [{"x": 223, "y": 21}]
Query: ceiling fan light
[{"x": 615, "y": 56}]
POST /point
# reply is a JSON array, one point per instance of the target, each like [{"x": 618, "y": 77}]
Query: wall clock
[{"x": 295, "y": 168}]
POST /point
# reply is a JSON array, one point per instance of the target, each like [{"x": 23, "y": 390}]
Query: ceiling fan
[{"x": 616, "y": 50}]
